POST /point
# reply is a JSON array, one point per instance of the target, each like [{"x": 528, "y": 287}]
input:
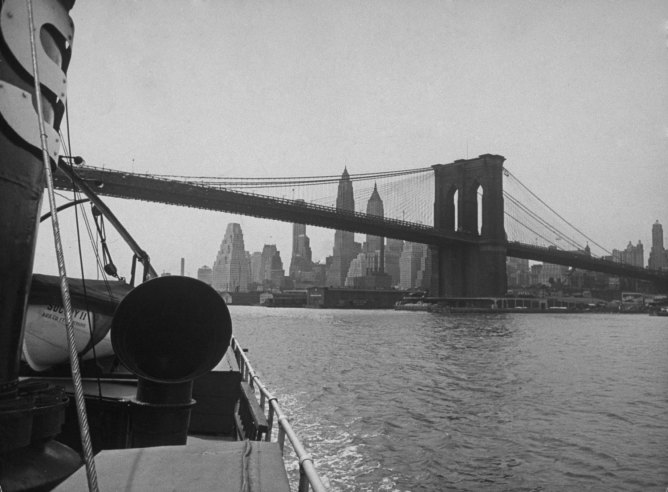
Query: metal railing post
[{"x": 308, "y": 477}]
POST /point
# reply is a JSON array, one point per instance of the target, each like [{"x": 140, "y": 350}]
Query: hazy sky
[{"x": 573, "y": 93}]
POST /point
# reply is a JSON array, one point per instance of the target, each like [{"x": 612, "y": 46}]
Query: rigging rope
[
  {"x": 76, "y": 196},
  {"x": 89, "y": 460}
]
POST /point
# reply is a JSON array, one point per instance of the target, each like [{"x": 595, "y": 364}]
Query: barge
[{"x": 498, "y": 304}]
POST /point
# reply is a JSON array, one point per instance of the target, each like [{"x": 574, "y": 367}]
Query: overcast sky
[{"x": 573, "y": 93}]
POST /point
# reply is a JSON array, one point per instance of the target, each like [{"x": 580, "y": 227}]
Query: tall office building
[
  {"x": 392, "y": 256},
  {"x": 423, "y": 278},
  {"x": 257, "y": 272},
  {"x": 205, "y": 274},
  {"x": 231, "y": 270},
  {"x": 367, "y": 270},
  {"x": 275, "y": 272},
  {"x": 657, "y": 255},
  {"x": 415, "y": 266},
  {"x": 632, "y": 255},
  {"x": 344, "y": 241},
  {"x": 268, "y": 271},
  {"x": 374, "y": 207},
  {"x": 518, "y": 272},
  {"x": 301, "y": 261}
]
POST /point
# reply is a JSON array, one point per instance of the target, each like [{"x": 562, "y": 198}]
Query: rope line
[{"x": 89, "y": 460}]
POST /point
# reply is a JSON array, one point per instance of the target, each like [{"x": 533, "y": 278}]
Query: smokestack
[
  {"x": 382, "y": 255},
  {"x": 183, "y": 267}
]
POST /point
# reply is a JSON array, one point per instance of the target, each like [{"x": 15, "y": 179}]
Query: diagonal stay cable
[
  {"x": 542, "y": 221},
  {"x": 554, "y": 211}
]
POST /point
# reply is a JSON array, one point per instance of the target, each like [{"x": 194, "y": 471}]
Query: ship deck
[{"x": 200, "y": 465}]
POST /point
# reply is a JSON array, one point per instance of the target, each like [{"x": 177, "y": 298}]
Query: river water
[{"x": 406, "y": 401}]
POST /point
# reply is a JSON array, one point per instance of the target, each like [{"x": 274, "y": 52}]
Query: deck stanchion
[
  {"x": 270, "y": 421},
  {"x": 308, "y": 476},
  {"x": 303, "y": 480}
]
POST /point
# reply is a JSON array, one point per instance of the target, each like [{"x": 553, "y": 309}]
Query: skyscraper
[
  {"x": 231, "y": 270},
  {"x": 632, "y": 255},
  {"x": 657, "y": 255},
  {"x": 415, "y": 266},
  {"x": 275, "y": 272},
  {"x": 344, "y": 241},
  {"x": 257, "y": 272},
  {"x": 270, "y": 274},
  {"x": 205, "y": 274},
  {"x": 518, "y": 272},
  {"x": 367, "y": 270},
  {"x": 374, "y": 207},
  {"x": 392, "y": 256},
  {"x": 301, "y": 261}
]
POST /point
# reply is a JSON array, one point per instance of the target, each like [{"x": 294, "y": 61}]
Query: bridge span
[
  {"x": 149, "y": 188},
  {"x": 584, "y": 262}
]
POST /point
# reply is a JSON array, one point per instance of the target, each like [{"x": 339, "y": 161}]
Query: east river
[{"x": 407, "y": 401}]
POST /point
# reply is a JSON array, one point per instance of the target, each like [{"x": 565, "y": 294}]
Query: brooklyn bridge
[{"x": 472, "y": 213}]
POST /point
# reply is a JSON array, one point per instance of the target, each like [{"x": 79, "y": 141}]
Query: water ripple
[{"x": 421, "y": 402}]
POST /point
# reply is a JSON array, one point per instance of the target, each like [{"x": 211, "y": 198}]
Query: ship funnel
[
  {"x": 171, "y": 329},
  {"x": 168, "y": 331}
]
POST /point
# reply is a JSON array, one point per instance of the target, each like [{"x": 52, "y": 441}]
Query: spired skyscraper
[
  {"x": 367, "y": 270},
  {"x": 231, "y": 270},
  {"x": 375, "y": 207},
  {"x": 344, "y": 241},
  {"x": 301, "y": 263}
]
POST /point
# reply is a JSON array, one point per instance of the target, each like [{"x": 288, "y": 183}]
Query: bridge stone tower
[{"x": 479, "y": 269}]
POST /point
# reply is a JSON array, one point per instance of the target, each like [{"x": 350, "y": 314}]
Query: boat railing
[{"x": 308, "y": 476}]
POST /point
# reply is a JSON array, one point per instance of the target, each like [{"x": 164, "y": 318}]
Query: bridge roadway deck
[
  {"x": 582, "y": 261},
  {"x": 149, "y": 188}
]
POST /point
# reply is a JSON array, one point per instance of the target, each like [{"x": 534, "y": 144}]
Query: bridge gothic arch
[
  {"x": 480, "y": 207},
  {"x": 450, "y": 212}
]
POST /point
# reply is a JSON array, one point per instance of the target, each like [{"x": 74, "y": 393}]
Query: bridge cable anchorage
[
  {"x": 91, "y": 473},
  {"x": 554, "y": 211}
]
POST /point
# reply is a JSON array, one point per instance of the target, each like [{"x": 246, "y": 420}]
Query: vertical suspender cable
[{"x": 64, "y": 288}]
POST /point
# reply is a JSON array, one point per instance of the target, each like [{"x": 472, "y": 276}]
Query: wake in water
[{"x": 339, "y": 452}]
